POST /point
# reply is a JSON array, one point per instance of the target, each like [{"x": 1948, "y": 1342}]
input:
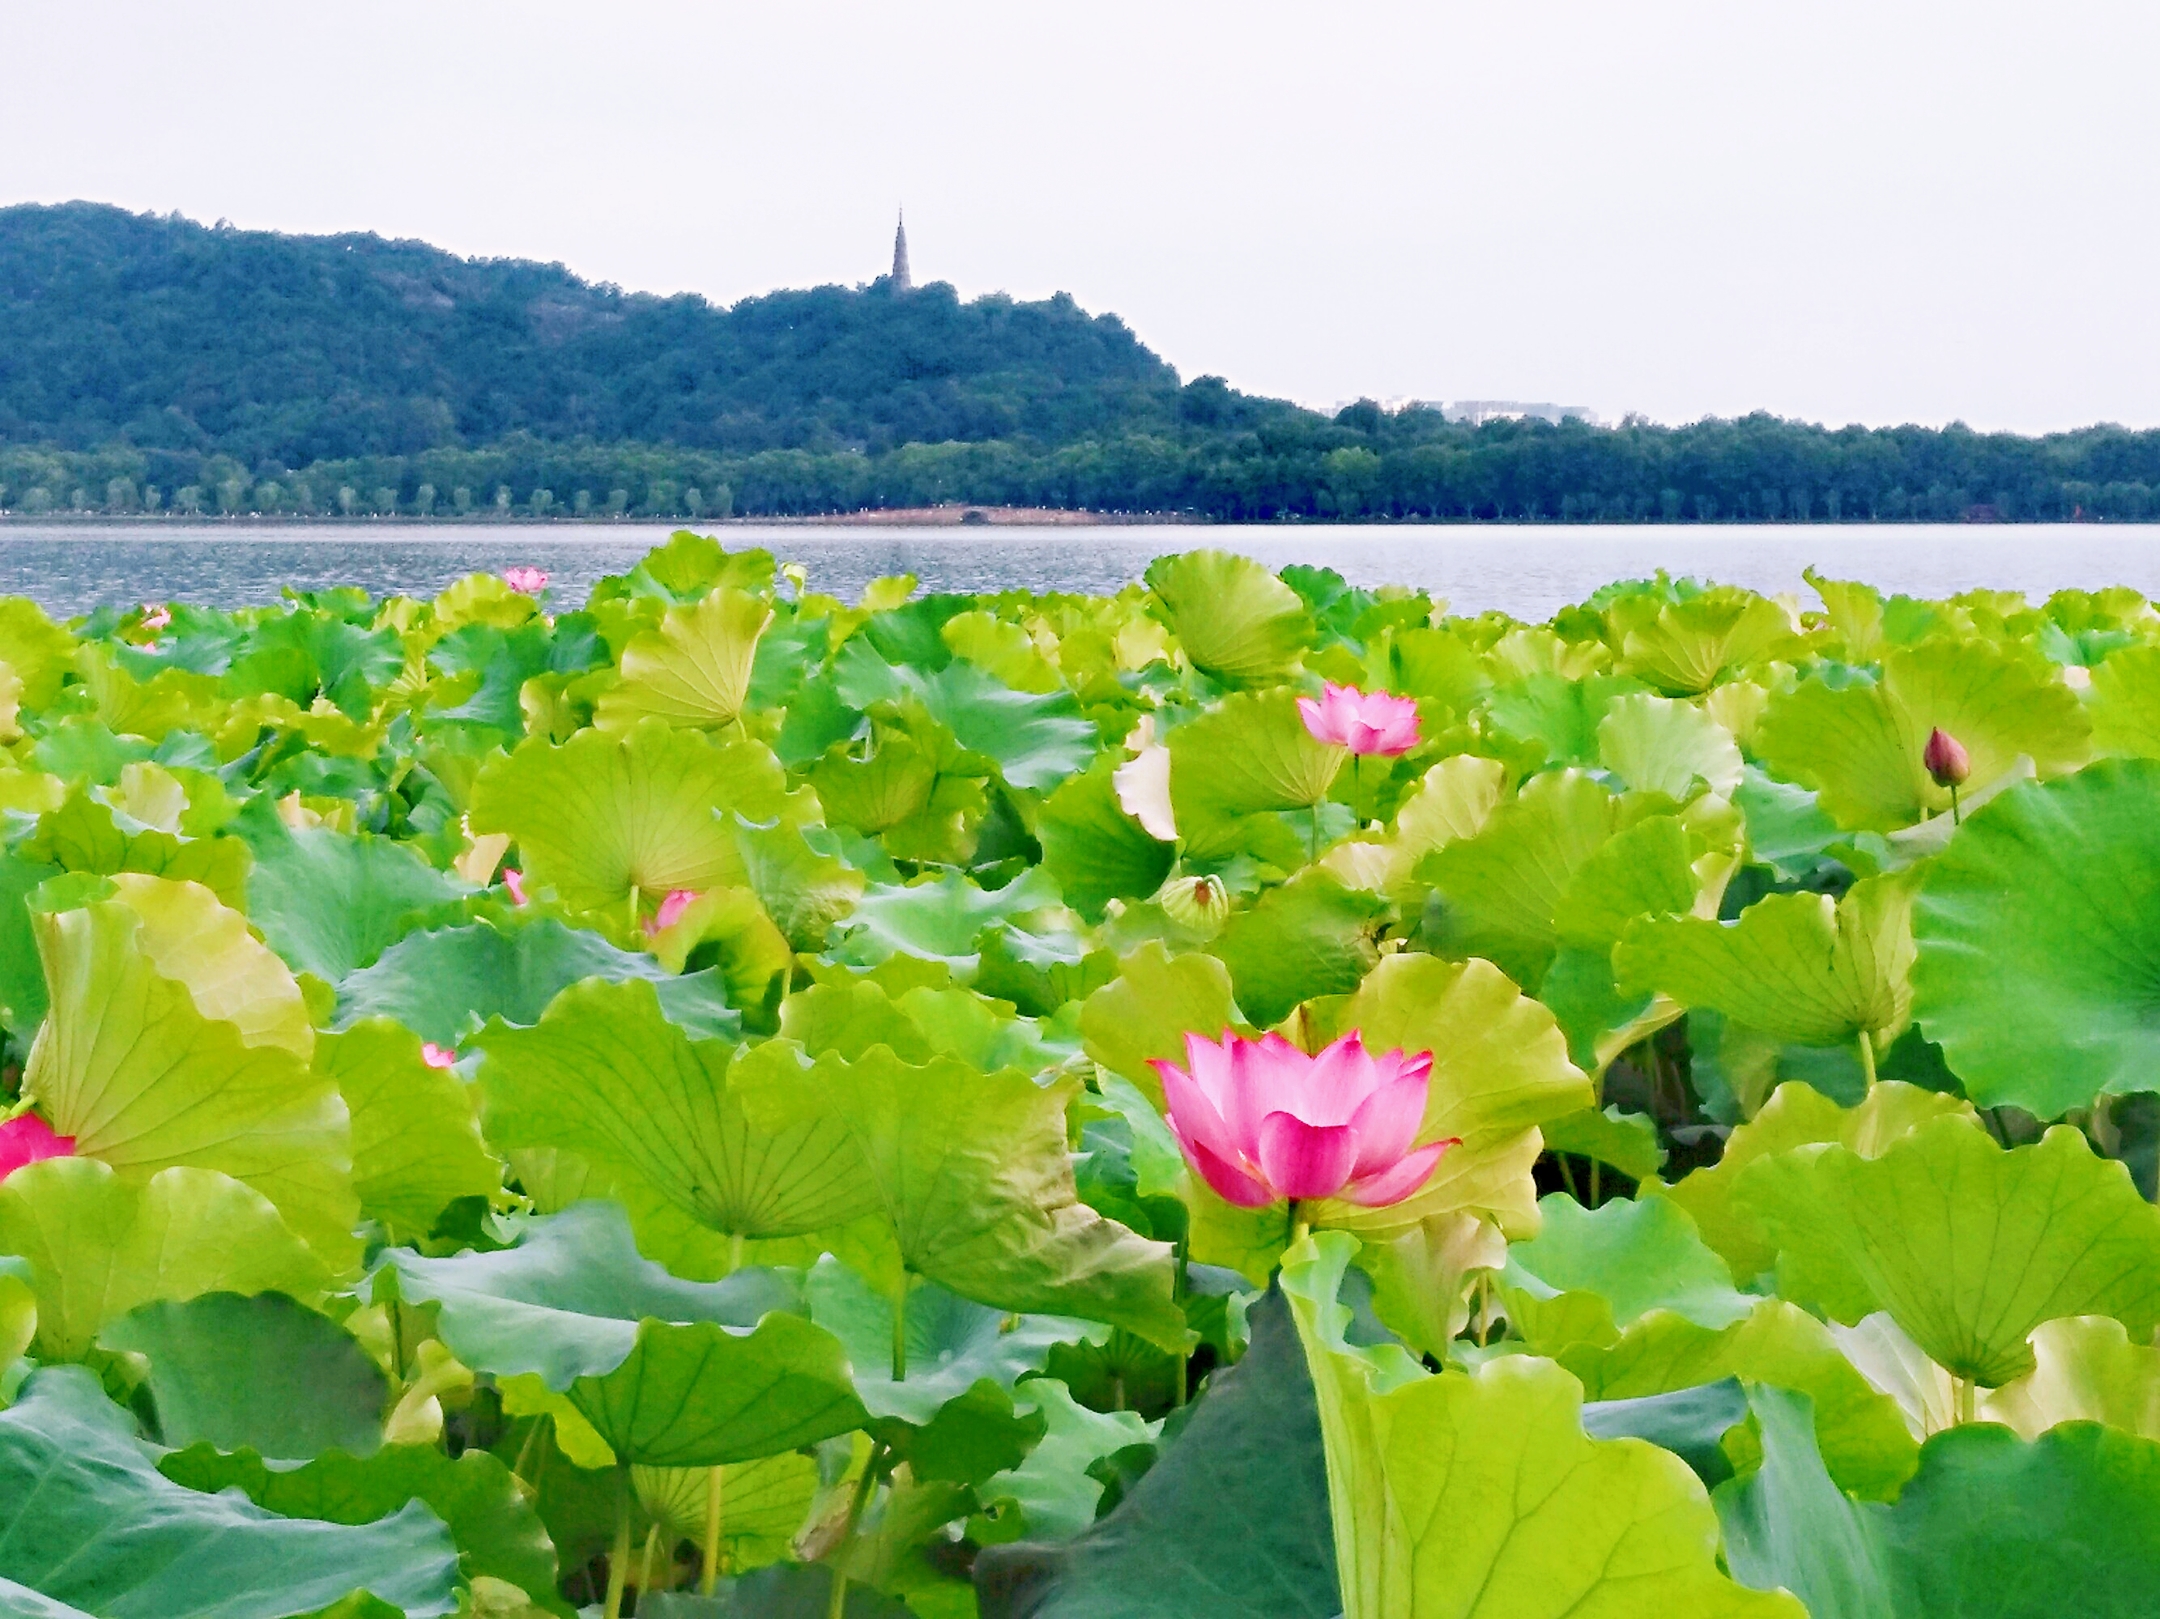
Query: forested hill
[{"x": 296, "y": 349}]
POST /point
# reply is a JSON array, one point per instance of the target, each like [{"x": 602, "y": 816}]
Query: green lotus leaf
[
  {"x": 1146, "y": 1012},
  {"x": 1854, "y": 614},
  {"x": 1796, "y": 1115},
  {"x": 1038, "y": 739},
  {"x": 953, "y": 1413},
  {"x": 145, "y": 1074},
  {"x": 1990, "y": 1525},
  {"x": 446, "y": 983},
  {"x": 1560, "y": 718},
  {"x": 1248, "y": 755},
  {"x": 1479, "y": 1492},
  {"x": 416, "y": 1147},
  {"x": 939, "y": 919},
  {"x": 2085, "y": 1369},
  {"x": 1001, "y": 648},
  {"x": 87, "y": 1521},
  {"x": 612, "y": 815},
  {"x": 86, "y": 835},
  {"x": 1798, "y": 967},
  {"x": 483, "y": 670},
  {"x": 2038, "y": 933},
  {"x": 39, "y": 652},
  {"x": 263, "y": 1373},
  {"x": 1232, "y": 1518},
  {"x": 1037, "y": 972},
  {"x": 1658, "y": 745},
  {"x": 1689, "y": 645},
  {"x": 972, "y": 1188},
  {"x": 762, "y": 1504},
  {"x": 1590, "y": 1272},
  {"x": 1452, "y": 800},
  {"x": 604, "y": 1074},
  {"x": 783, "y": 1591},
  {"x": 1786, "y": 827},
  {"x": 1055, "y": 1488},
  {"x": 1863, "y": 1434},
  {"x": 668, "y": 1373},
  {"x": 99, "y": 1244},
  {"x": 694, "y": 669},
  {"x": 687, "y": 567},
  {"x": 1500, "y": 1069},
  {"x": 1094, "y": 849},
  {"x": 1627, "y": 1141},
  {"x": 1236, "y": 622},
  {"x": 1860, "y": 745},
  {"x": 18, "y": 1312},
  {"x": 2125, "y": 704},
  {"x": 497, "y": 1530},
  {"x": 1968, "y": 1246},
  {"x": 1312, "y": 936},
  {"x": 799, "y": 878},
  {"x": 330, "y": 903}
]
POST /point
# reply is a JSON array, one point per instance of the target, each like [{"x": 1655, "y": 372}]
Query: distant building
[
  {"x": 1477, "y": 411},
  {"x": 902, "y": 279}
]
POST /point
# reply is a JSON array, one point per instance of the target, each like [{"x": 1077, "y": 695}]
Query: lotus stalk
[
  {"x": 618, "y": 1568},
  {"x": 715, "y": 1502}
]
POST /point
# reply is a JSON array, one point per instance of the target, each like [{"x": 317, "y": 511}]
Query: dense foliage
[
  {"x": 152, "y": 363},
  {"x": 705, "y": 1104}
]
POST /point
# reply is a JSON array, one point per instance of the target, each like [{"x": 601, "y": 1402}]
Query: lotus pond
[{"x": 1243, "y": 1097}]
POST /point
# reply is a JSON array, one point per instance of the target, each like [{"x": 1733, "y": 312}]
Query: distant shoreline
[{"x": 946, "y": 516}]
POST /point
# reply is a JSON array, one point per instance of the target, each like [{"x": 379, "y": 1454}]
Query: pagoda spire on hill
[{"x": 902, "y": 280}]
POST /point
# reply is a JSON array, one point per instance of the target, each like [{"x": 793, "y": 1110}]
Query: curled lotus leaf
[
  {"x": 1233, "y": 619},
  {"x": 694, "y": 668}
]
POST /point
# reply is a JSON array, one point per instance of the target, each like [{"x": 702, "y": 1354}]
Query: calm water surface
[{"x": 1530, "y": 572}]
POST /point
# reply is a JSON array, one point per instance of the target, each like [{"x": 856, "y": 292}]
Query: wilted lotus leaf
[
  {"x": 99, "y": 1245},
  {"x": 1235, "y": 621},
  {"x": 1662, "y": 745},
  {"x": 145, "y": 1071},
  {"x": 1500, "y": 1069},
  {"x": 1968, "y": 1246},
  {"x": 89, "y": 1526},
  {"x": 1859, "y": 745},
  {"x": 668, "y": 1373},
  {"x": 2038, "y": 932},
  {"x": 1479, "y": 1490},
  {"x": 609, "y": 815},
  {"x": 694, "y": 670}
]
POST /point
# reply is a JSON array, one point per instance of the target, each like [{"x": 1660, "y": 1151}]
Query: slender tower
[{"x": 902, "y": 281}]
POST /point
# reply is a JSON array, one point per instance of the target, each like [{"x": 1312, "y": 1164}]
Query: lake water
[{"x": 1528, "y": 571}]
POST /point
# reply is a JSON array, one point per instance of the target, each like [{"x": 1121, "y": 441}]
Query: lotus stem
[
  {"x": 1300, "y": 1227},
  {"x": 1314, "y": 841},
  {"x": 899, "y": 1332},
  {"x": 529, "y": 1452},
  {"x": 1595, "y": 1167},
  {"x": 1181, "y": 1362},
  {"x": 863, "y": 1487},
  {"x": 1955, "y": 817},
  {"x": 736, "y": 1243},
  {"x": 715, "y": 1488},
  {"x": 652, "y": 1544},
  {"x": 1963, "y": 1390},
  {"x": 618, "y": 1563},
  {"x": 1867, "y": 1058}
]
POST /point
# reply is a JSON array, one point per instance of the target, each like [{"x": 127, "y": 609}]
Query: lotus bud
[
  {"x": 1261, "y": 1121},
  {"x": 25, "y": 1139},
  {"x": 1946, "y": 759},
  {"x": 1199, "y": 903}
]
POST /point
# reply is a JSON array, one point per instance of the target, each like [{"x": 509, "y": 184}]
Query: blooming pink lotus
[
  {"x": 25, "y": 1139},
  {"x": 514, "y": 880},
  {"x": 155, "y": 618},
  {"x": 1363, "y": 722},
  {"x": 1260, "y": 1121},
  {"x": 671, "y": 911},
  {"x": 529, "y": 581},
  {"x": 437, "y": 1056}
]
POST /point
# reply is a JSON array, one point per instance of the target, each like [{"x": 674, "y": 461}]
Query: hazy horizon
[{"x": 1878, "y": 214}]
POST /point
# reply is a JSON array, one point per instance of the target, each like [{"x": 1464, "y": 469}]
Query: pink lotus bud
[
  {"x": 25, "y": 1139},
  {"x": 514, "y": 880},
  {"x": 1946, "y": 759},
  {"x": 529, "y": 581},
  {"x": 437, "y": 1056},
  {"x": 1261, "y": 1121},
  {"x": 671, "y": 911},
  {"x": 1363, "y": 722},
  {"x": 155, "y": 618}
]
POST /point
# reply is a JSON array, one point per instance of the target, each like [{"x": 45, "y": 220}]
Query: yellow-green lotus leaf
[
  {"x": 2085, "y": 1369},
  {"x": 694, "y": 670},
  {"x": 1664, "y": 745},
  {"x": 1236, "y": 621}
]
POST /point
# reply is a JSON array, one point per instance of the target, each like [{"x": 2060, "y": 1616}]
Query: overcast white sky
[{"x": 1847, "y": 210}]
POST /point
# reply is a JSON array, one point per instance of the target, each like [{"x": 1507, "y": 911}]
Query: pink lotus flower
[
  {"x": 1261, "y": 1121},
  {"x": 437, "y": 1056},
  {"x": 25, "y": 1139},
  {"x": 1363, "y": 722},
  {"x": 155, "y": 618},
  {"x": 514, "y": 880},
  {"x": 671, "y": 911},
  {"x": 530, "y": 581}
]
